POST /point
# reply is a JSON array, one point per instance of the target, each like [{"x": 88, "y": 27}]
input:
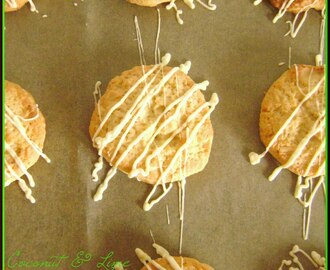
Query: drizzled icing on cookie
[
  {"x": 190, "y": 3},
  {"x": 145, "y": 259},
  {"x": 298, "y": 20},
  {"x": 304, "y": 182},
  {"x": 315, "y": 259},
  {"x": 13, "y": 4},
  {"x": 10, "y": 173},
  {"x": 160, "y": 123}
]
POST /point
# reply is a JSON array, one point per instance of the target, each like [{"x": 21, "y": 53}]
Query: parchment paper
[{"x": 235, "y": 218}]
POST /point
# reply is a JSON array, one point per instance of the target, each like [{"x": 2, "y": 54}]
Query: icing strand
[
  {"x": 145, "y": 259},
  {"x": 306, "y": 218},
  {"x": 286, "y": 4},
  {"x": 168, "y": 215},
  {"x": 317, "y": 127},
  {"x": 290, "y": 56},
  {"x": 140, "y": 44},
  {"x": 293, "y": 28},
  {"x": 190, "y": 3},
  {"x": 20, "y": 164},
  {"x": 209, "y": 5},
  {"x": 257, "y": 2},
  {"x": 33, "y": 7},
  {"x": 157, "y": 51},
  {"x": 315, "y": 259},
  {"x": 97, "y": 96},
  {"x": 166, "y": 255},
  {"x": 12, "y": 3},
  {"x": 13, "y": 119},
  {"x": 212, "y": 103},
  {"x": 152, "y": 236},
  {"x": 21, "y": 183},
  {"x": 319, "y": 57}
]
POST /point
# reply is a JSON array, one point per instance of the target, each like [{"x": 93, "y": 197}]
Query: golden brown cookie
[
  {"x": 21, "y": 106},
  {"x": 178, "y": 84},
  {"x": 280, "y": 101},
  {"x": 13, "y": 5},
  {"x": 148, "y": 3},
  {"x": 188, "y": 264},
  {"x": 300, "y": 5}
]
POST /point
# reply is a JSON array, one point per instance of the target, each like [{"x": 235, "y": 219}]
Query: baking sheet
[{"x": 235, "y": 218}]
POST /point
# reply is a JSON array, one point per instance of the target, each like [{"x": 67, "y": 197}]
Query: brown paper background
[{"x": 235, "y": 218}]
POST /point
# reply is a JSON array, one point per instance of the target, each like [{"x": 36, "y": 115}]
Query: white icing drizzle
[
  {"x": 257, "y": 2},
  {"x": 190, "y": 3},
  {"x": 319, "y": 56},
  {"x": 294, "y": 28},
  {"x": 254, "y": 157},
  {"x": 303, "y": 181},
  {"x": 97, "y": 96},
  {"x": 12, "y": 3},
  {"x": 33, "y": 7},
  {"x": 290, "y": 56},
  {"x": 168, "y": 215},
  {"x": 20, "y": 164},
  {"x": 140, "y": 43},
  {"x": 315, "y": 259},
  {"x": 166, "y": 255},
  {"x": 213, "y": 102},
  {"x": 130, "y": 118},
  {"x": 14, "y": 120},
  {"x": 157, "y": 50},
  {"x": 152, "y": 236},
  {"x": 317, "y": 127},
  {"x": 286, "y": 4},
  {"x": 21, "y": 182},
  {"x": 145, "y": 259},
  {"x": 10, "y": 173},
  {"x": 306, "y": 218},
  {"x": 209, "y": 5}
]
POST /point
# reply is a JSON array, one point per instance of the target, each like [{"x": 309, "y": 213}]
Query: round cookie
[
  {"x": 188, "y": 264},
  {"x": 280, "y": 101},
  {"x": 22, "y": 104},
  {"x": 176, "y": 86},
  {"x": 13, "y": 5},
  {"x": 148, "y": 3},
  {"x": 300, "y": 5}
]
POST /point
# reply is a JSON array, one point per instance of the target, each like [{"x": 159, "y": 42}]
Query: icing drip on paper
[
  {"x": 10, "y": 173},
  {"x": 190, "y": 3},
  {"x": 314, "y": 259},
  {"x": 304, "y": 182}
]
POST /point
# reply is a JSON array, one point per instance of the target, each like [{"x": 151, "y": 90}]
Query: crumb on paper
[
  {"x": 45, "y": 16},
  {"x": 75, "y": 4},
  {"x": 281, "y": 64}
]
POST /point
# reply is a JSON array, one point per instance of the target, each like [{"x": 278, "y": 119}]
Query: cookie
[
  {"x": 25, "y": 132},
  {"x": 299, "y": 5},
  {"x": 148, "y": 3},
  {"x": 172, "y": 126},
  {"x": 298, "y": 94},
  {"x": 187, "y": 263},
  {"x": 13, "y": 5}
]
